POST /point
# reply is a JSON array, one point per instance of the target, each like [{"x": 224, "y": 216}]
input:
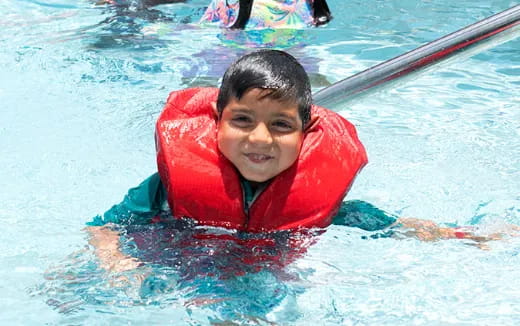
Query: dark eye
[
  {"x": 241, "y": 120},
  {"x": 282, "y": 126}
]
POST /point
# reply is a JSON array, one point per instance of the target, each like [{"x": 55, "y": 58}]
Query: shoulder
[
  {"x": 190, "y": 98},
  {"x": 332, "y": 122},
  {"x": 334, "y": 137},
  {"x": 187, "y": 107}
]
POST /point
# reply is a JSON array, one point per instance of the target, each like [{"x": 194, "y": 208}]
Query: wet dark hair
[{"x": 271, "y": 70}]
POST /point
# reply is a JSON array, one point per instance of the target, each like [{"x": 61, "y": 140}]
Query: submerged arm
[
  {"x": 427, "y": 230},
  {"x": 139, "y": 206},
  {"x": 106, "y": 247},
  {"x": 363, "y": 215}
]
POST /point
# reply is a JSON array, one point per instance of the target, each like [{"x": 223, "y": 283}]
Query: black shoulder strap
[
  {"x": 321, "y": 12},
  {"x": 244, "y": 12}
]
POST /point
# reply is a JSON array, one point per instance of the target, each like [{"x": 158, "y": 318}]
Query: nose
[{"x": 260, "y": 135}]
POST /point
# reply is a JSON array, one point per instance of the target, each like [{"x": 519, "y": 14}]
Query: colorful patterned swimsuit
[{"x": 294, "y": 14}]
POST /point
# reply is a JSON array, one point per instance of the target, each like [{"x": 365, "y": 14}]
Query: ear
[
  {"x": 312, "y": 123},
  {"x": 214, "y": 108}
]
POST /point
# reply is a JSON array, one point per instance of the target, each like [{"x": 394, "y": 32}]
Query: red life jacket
[{"x": 202, "y": 184}]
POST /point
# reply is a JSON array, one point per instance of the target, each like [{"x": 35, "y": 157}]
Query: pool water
[{"x": 81, "y": 86}]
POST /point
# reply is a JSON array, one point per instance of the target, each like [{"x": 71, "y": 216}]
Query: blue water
[{"x": 81, "y": 86}]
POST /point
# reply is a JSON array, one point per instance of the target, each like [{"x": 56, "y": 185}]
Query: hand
[
  {"x": 104, "y": 2},
  {"x": 425, "y": 230},
  {"x": 106, "y": 247},
  {"x": 115, "y": 261},
  {"x": 430, "y": 231}
]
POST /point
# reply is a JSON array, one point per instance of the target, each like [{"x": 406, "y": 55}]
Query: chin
[{"x": 256, "y": 178}]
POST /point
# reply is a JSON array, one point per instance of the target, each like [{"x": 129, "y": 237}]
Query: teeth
[{"x": 258, "y": 156}]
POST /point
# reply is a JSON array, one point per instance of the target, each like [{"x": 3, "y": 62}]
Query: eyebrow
[
  {"x": 243, "y": 110},
  {"x": 281, "y": 114}
]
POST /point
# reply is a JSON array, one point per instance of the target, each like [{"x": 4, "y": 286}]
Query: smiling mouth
[{"x": 258, "y": 158}]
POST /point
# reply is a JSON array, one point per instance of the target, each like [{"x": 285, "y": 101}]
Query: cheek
[
  {"x": 226, "y": 140},
  {"x": 221, "y": 141},
  {"x": 291, "y": 147}
]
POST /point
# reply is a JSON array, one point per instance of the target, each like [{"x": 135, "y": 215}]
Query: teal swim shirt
[{"x": 149, "y": 199}]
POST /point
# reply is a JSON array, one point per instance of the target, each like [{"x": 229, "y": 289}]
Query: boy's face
[{"x": 261, "y": 136}]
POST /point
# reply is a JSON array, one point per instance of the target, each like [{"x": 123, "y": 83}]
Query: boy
[{"x": 254, "y": 156}]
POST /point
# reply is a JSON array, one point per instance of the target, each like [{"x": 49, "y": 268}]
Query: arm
[
  {"x": 363, "y": 215},
  {"x": 360, "y": 214},
  {"x": 106, "y": 247},
  {"x": 430, "y": 231},
  {"x": 139, "y": 206}
]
